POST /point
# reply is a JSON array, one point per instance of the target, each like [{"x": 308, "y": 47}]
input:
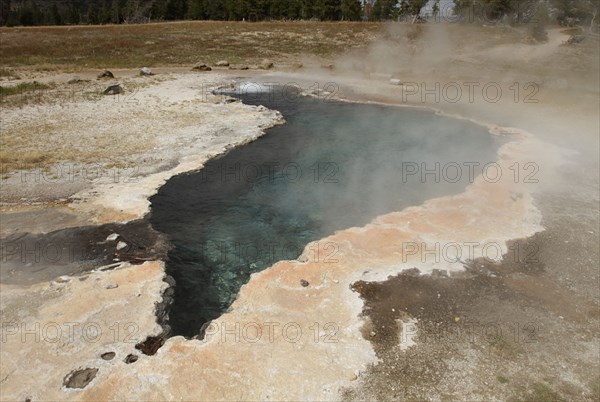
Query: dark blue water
[{"x": 331, "y": 166}]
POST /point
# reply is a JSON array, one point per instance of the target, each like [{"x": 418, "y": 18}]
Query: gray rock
[
  {"x": 131, "y": 358},
  {"x": 146, "y": 71},
  {"x": 113, "y": 89},
  {"x": 108, "y": 355},
  {"x": 112, "y": 237},
  {"x": 80, "y": 378},
  {"x": 106, "y": 74},
  {"x": 222, "y": 63},
  {"x": 574, "y": 39},
  {"x": 395, "y": 81},
  {"x": 74, "y": 80},
  {"x": 266, "y": 64},
  {"x": 201, "y": 66}
]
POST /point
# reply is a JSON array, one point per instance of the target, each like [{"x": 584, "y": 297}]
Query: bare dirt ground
[{"x": 524, "y": 328}]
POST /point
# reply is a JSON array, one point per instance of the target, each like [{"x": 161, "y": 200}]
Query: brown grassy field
[{"x": 176, "y": 43}]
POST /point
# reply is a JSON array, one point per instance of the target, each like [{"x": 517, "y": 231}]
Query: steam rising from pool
[{"x": 332, "y": 166}]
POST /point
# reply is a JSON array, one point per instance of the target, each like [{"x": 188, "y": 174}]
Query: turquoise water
[{"x": 331, "y": 166}]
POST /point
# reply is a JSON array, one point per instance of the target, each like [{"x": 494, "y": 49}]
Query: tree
[
  {"x": 489, "y": 9},
  {"x": 30, "y": 14},
  {"x": 572, "y": 12},
  {"x": 38, "y": 15},
  {"x": 115, "y": 12},
  {"x": 411, "y": 7},
  {"x": 308, "y": 9},
  {"x": 136, "y": 11},
  {"x": 104, "y": 13},
  {"x": 329, "y": 10},
  {"x": 176, "y": 9},
  {"x": 26, "y": 16},
  {"x": 216, "y": 10},
  {"x": 73, "y": 16},
  {"x": 384, "y": 10},
  {"x": 55, "y": 16},
  {"x": 496, "y": 9},
  {"x": 92, "y": 14},
  {"x": 351, "y": 10},
  {"x": 538, "y": 27},
  {"x": 158, "y": 9},
  {"x": 237, "y": 9},
  {"x": 198, "y": 9},
  {"x": 435, "y": 9},
  {"x": 4, "y": 11}
]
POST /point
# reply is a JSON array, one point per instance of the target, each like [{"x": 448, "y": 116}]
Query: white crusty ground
[{"x": 280, "y": 340}]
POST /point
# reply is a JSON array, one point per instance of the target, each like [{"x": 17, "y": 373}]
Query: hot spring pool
[{"x": 332, "y": 166}]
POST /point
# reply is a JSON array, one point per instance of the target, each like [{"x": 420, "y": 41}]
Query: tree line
[
  {"x": 32, "y": 12},
  {"x": 60, "y": 12}
]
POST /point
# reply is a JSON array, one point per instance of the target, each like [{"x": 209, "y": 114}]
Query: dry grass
[
  {"x": 22, "y": 88},
  {"x": 26, "y": 160},
  {"x": 24, "y": 93},
  {"x": 8, "y": 73},
  {"x": 179, "y": 43}
]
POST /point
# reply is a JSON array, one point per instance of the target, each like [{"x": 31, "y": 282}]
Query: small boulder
[
  {"x": 80, "y": 378},
  {"x": 266, "y": 64},
  {"x": 130, "y": 358},
  {"x": 222, "y": 63},
  {"x": 114, "y": 89},
  {"x": 106, "y": 74},
  {"x": 574, "y": 39},
  {"x": 146, "y": 71},
  {"x": 121, "y": 245},
  {"x": 201, "y": 66},
  {"x": 108, "y": 355},
  {"x": 395, "y": 81},
  {"x": 74, "y": 80},
  {"x": 112, "y": 237}
]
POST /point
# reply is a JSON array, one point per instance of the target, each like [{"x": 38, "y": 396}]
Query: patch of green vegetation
[
  {"x": 21, "y": 88},
  {"x": 501, "y": 379},
  {"x": 25, "y": 93}
]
